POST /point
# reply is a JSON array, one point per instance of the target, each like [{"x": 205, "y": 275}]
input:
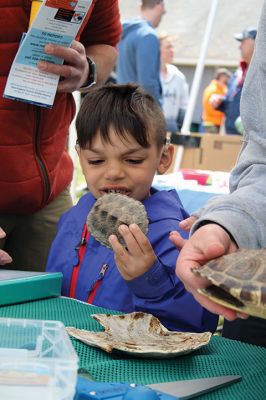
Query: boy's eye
[
  {"x": 135, "y": 161},
  {"x": 95, "y": 162}
]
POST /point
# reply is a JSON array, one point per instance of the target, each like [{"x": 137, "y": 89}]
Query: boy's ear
[{"x": 166, "y": 158}]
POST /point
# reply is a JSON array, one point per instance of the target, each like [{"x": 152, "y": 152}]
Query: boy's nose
[{"x": 114, "y": 171}]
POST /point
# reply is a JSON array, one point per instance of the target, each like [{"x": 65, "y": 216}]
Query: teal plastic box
[{"x": 20, "y": 286}]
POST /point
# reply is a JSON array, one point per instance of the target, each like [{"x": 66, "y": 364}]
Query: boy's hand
[
  {"x": 75, "y": 69},
  {"x": 138, "y": 256}
]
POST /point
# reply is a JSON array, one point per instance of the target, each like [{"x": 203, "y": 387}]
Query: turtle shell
[
  {"x": 112, "y": 210},
  {"x": 139, "y": 334},
  {"x": 238, "y": 281}
]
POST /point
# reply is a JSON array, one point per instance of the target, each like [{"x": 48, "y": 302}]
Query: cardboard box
[{"x": 205, "y": 151}]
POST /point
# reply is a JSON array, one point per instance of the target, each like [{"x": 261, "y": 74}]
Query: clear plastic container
[{"x": 37, "y": 360}]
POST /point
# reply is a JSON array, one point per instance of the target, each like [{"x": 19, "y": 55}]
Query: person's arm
[
  {"x": 208, "y": 242},
  {"x": 98, "y": 41},
  {"x": 241, "y": 212},
  {"x": 219, "y": 102},
  {"x": 75, "y": 71},
  {"x": 105, "y": 57}
]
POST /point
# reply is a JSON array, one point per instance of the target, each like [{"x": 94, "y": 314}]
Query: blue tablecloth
[{"x": 192, "y": 194}]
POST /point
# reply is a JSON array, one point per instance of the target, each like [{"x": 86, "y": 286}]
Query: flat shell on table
[{"x": 139, "y": 334}]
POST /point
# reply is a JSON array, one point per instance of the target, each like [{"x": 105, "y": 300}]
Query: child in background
[
  {"x": 121, "y": 145},
  {"x": 213, "y": 119}
]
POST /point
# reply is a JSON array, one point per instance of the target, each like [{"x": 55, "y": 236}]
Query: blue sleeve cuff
[{"x": 154, "y": 283}]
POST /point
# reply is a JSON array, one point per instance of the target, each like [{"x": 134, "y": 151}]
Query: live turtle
[
  {"x": 112, "y": 210},
  {"x": 238, "y": 281}
]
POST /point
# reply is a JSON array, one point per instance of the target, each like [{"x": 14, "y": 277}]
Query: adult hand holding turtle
[{"x": 208, "y": 242}]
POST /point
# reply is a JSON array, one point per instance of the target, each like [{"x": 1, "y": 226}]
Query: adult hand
[
  {"x": 186, "y": 224},
  {"x": 208, "y": 242},
  {"x": 4, "y": 257},
  {"x": 75, "y": 69},
  {"x": 137, "y": 257},
  {"x": 215, "y": 100}
]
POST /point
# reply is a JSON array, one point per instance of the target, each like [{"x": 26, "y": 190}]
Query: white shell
[{"x": 139, "y": 334}]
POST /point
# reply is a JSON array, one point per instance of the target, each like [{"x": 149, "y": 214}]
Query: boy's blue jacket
[{"x": 158, "y": 291}]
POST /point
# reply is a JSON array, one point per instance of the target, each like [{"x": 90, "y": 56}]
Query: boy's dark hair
[{"x": 128, "y": 109}]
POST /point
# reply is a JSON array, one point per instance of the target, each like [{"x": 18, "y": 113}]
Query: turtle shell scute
[{"x": 112, "y": 210}]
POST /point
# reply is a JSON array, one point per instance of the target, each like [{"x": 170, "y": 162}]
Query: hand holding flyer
[{"x": 57, "y": 22}]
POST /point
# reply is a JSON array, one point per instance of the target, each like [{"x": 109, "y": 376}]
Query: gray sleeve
[{"x": 242, "y": 212}]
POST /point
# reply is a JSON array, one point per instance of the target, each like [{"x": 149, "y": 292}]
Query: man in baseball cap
[
  {"x": 247, "y": 44},
  {"x": 230, "y": 105},
  {"x": 249, "y": 33}
]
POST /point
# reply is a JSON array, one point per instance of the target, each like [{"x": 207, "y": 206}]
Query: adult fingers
[
  {"x": 187, "y": 223},
  {"x": 4, "y": 258},
  {"x": 2, "y": 233}
]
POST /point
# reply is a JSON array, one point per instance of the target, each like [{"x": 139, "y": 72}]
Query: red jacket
[{"x": 34, "y": 163}]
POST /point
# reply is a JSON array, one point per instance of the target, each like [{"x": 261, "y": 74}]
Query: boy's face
[{"x": 122, "y": 166}]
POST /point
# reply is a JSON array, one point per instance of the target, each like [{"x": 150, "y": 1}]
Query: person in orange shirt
[{"x": 212, "y": 119}]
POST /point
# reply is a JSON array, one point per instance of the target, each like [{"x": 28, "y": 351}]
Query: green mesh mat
[{"x": 220, "y": 357}]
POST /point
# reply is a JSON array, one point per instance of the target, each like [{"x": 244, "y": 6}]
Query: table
[
  {"x": 192, "y": 194},
  {"x": 220, "y": 357}
]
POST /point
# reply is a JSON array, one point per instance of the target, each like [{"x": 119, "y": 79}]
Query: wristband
[{"x": 91, "y": 77}]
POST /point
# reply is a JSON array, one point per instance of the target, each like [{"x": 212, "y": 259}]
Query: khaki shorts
[{"x": 29, "y": 237}]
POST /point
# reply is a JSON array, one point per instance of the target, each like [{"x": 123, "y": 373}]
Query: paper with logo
[{"x": 57, "y": 22}]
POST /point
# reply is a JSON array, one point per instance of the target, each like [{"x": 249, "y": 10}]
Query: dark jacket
[{"x": 231, "y": 105}]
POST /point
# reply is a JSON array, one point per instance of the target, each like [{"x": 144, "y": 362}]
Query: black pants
[{"x": 251, "y": 330}]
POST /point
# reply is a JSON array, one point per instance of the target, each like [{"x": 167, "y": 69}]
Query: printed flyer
[{"x": 57, "y": 22}]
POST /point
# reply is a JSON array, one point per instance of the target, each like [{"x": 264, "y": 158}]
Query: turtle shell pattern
[
  {"x": 112, "y": 210},
  {"x": 238, "y": 280}
]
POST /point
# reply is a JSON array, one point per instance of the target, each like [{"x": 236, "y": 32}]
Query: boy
[{"x": 121, "y": 145}]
